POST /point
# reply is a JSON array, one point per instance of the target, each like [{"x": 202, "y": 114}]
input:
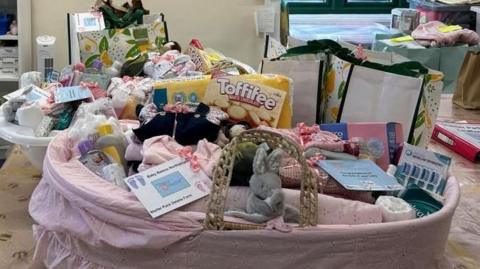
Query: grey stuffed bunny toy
[{"x": 266, "y": 200}]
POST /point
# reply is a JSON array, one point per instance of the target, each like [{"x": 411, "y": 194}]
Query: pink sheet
[
  {"x": 85, "y": 222},
  {"x": 429, "y": 34}
]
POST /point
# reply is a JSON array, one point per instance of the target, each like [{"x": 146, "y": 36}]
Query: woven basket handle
[{"x": 222, "y": 175}]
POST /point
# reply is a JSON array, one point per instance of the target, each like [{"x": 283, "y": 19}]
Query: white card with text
[{"x": 168, "y": 186}]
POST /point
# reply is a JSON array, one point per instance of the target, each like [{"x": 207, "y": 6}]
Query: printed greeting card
[
  {"x": 168, "y": 186},
  {"x": 360, "y": 175}
]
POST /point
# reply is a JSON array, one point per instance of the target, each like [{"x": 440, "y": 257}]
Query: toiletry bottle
[
  {"x": 114, "y": 70},
  {"x": 108, "y": 143},
  {"x": 115, "y": 174},
  {"x": 94, "y": 160},
  {"x": 85, "y": 146},
  {"x": 95, "y": 68}
]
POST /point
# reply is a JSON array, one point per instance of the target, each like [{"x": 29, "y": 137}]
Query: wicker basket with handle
[{"x": 223, "y": 173}]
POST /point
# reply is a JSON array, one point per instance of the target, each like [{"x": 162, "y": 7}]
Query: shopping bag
[
  {"x": 307, "y": 77},
  {"x": 306, "y": 66},
  {"x": 467, "y": 94},
  {"x": 111, "y": 45},
  {"x": 379, "y": 96},
  {"x": 447, "y": 60},
  {"x": 400, "y": 91}
]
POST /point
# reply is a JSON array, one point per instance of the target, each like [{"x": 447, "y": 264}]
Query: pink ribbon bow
[
  {"x": 156, "y": 59},
  {"x": 51, "y": 89},
  {"x": 187, "y": 154},
  {"x": 305, "y": 132},
  {"x": 176, "y": 108},
  {"x": 127, "y": 79},
  {"x": 89, "y": 85},
  {"x": 279, "y": 225},
  {"x": 312, "y": 161},
  {"x": 360, "y": 53},
  {"x": 96, "y": 91}
]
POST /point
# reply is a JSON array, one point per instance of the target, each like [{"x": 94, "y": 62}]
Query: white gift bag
[
  {"x": 379, "y": 96},
  {"x": 306, "y": 94}
]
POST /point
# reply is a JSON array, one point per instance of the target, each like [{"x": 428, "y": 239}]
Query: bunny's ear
[
  {"x": 274, "y": 160},
  {"x": 260, "y": 161}
]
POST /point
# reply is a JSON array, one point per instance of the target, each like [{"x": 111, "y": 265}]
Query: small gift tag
[
  {"x": 32, "y": 93},
  {"x": 54, "y": 76},
  {"x": 70, "y": 94}
]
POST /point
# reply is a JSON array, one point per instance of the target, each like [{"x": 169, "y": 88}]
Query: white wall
[{"x": 225, "y": 25}]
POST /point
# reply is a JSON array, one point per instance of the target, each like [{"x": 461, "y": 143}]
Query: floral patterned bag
[
  {"x": 111, "y": 45},
  {"x": 402, "y": 92}
]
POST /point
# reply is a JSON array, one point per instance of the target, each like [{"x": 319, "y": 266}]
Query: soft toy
[
  {"x": 243, "y": 166},
  {"x": 266, "y": 200}
]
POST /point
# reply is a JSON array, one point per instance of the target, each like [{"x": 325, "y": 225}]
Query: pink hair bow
[{"x": 187, "y": 154}]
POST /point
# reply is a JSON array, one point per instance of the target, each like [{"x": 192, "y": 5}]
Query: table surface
[{"x": 463, "y": 248}]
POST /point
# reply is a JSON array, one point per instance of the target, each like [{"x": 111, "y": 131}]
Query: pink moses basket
[{"x": 86, "y": 222}]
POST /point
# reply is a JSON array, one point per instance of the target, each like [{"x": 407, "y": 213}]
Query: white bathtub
[{"x": 33, "y": 147}]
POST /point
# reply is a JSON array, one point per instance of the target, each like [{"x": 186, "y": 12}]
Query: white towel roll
[{"x": 395, "y": 209}]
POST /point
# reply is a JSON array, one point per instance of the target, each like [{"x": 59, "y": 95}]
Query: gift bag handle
[
  {"x": 312, "y": 47},
  {"x": 222, "y": 175},
  {"x": 411, "y": 68}
]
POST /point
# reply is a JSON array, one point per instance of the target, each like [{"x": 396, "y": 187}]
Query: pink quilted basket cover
[{"x": 85, "y": 222}]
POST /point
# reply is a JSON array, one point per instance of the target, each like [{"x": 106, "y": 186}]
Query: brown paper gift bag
[{"x": 467, "y": 93}]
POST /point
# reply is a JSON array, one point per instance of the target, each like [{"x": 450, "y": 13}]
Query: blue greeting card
[{"x": 360, "y": 175}]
